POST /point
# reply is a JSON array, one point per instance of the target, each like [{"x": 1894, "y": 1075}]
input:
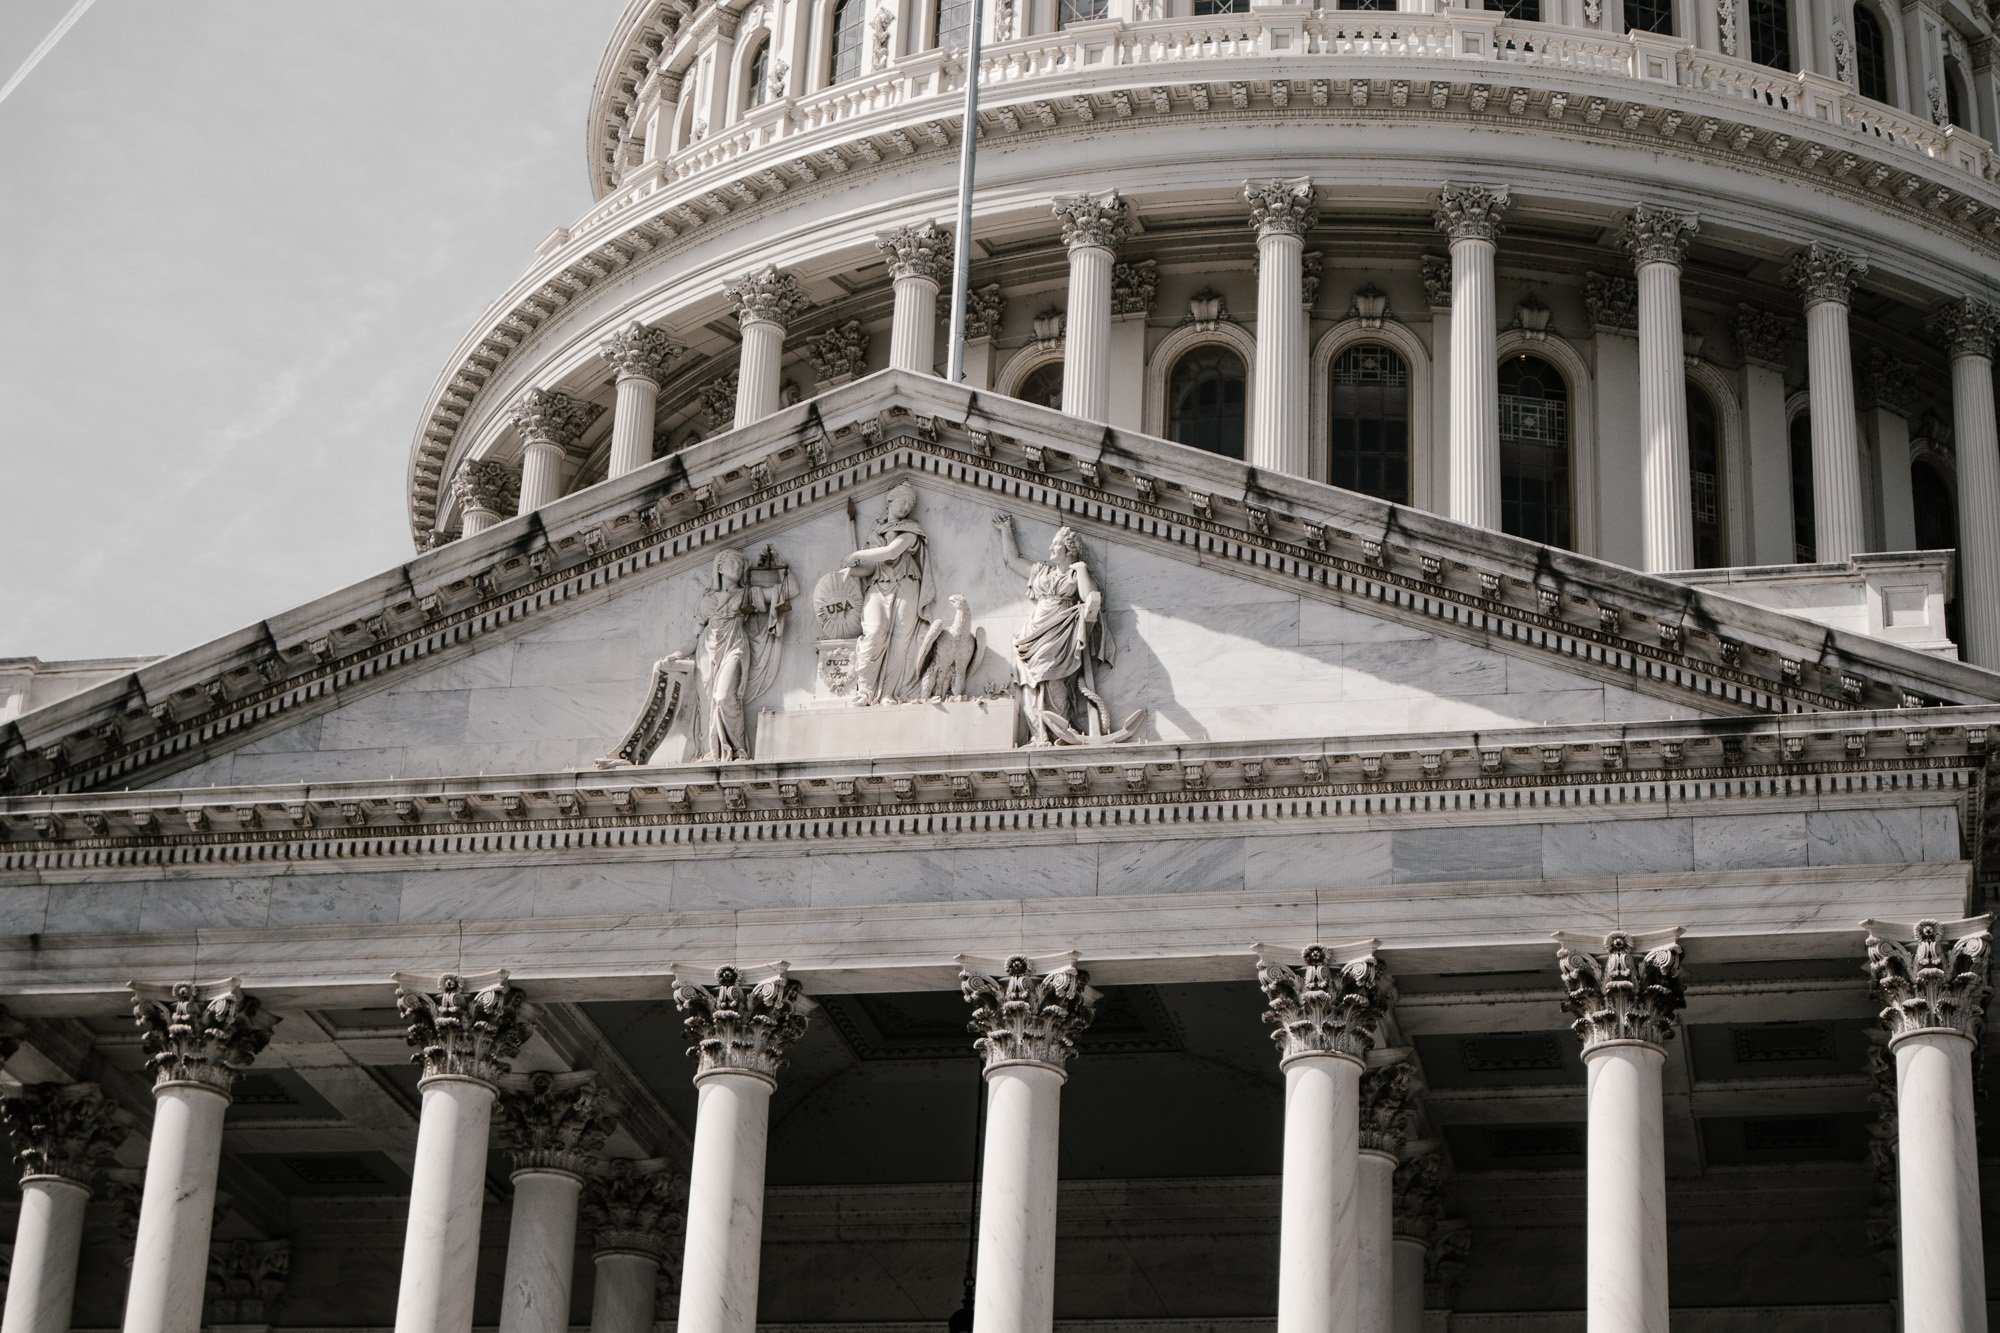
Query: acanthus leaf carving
[
  {"x": 1419, "y": 1195},
  {"x": 204, "y": 1033},
  {"x": 1028, "y": 1011},
  {"x": 67, "y": 1130},
  {"x": 1282, "y": 207},
  {"x": 1764, "y": 336},
  {"x": 487, "y": 484},
  {"x": 767, "y": 296},
  {"x": 464, "y": 1026},
  {"x": 983, "y": 309},
  {"x": 637, "y": 352},
  {"x": 1098, "y": 220},
  {"x": 247, "y": 1280},
  {"x": 921, "y": 250},
  {"x": 1655, "y": 235},
  {"x": 1622, "y": 987},
  {"x": 550, "y": 416},
  {"x": 744, "y": 1023},
  {"x": 1471, "y": 212},
  {"x": 635, "y": 1207},
  {"x": 839, "y": 354},
  {"x": 1331, "y": 1002},
  {"x": 1391, "y": 1096},
  {"x": 1133, "y": 287},
  {"x": 555, "y": 1121},
  {"x": 1612, "y": 300},
  {"x": 1968, "y": 326},
  {"x": 1825, "y": 273},
  {"x": 1931, "y": 976}
]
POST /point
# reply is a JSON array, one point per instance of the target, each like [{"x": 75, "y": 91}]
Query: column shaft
[
  {"x": 1836, "y": 444},
  {"x": 1015, "y": 1290},
  {"x": 1663, "y": 425},
  {"x": 541, "y": 474},
  {"x": 541, "y": 1252},
  {"x": 725, "y": 1214},
  {"x": 1317, "y": 1289},
  {"x": 1626, "y": 1291},
  {"x": 41, "y": 1281},
  {"x": 170, "y": 1255},
  {"x": 1376, "y": 1217},
  {"x": 1407, "y": 1304},
  {"x": 1475, "y": 390},
  {"x": 913, "y": 328},
  {"x": 1937, "y": 1168},
  {"x": 1278, "y": 412},
  {"x": 632, "y": 424},
  {"x": 1978, "y": 442},
  {"x": 1087, "y": 334},
  {"x": 622, "y": 1299},
  {"x": 759, "y": 369},
  {"x": 447, "y": 1192},
  {"x": 476, "y": 520}
]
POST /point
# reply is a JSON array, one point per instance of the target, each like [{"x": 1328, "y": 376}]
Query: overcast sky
[{"x": 238, "y": 240}]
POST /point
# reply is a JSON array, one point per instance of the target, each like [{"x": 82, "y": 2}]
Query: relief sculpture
[{"x": 1063, "y": 644}]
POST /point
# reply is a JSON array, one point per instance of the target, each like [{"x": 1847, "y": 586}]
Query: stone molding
[
  {"x": 1968, "y": 326},
  {"x": 840, "y": 353},
  {"x": 1613, "y": 302},
  {"x": 550, "y": 416},
  {"x": 637, "y": 352},
  {"x": 1655, "y": 235},
  {"x": 1825, "y": 273},
  {"x": 746, "y": 1022},
  {"x": 1392, "y": 1094},
  {"x": 62, "y": 1129},
  {"x": 555, "y": 1121},
  {"x": 1331, "y": 1002},
  {"x": 246, "y": 1282},
  {"x": 767, "y": 296},
  {"x": 1027, "y": 1010},
  {"x": 464, "y": 1025},
  {"x": 1471, "y": 212},
  {"x": 634, "y": 1207},
  {"x": 1098, "y": 221},
  {"x": 921, "y": 250},
  {"x": 1282, "y": 207},
  {"x": 1931, "y": 976},
  {"x": 201, "y": 1033},
  {"x": 488, "y": 484},
  {"x": 1622, "y": 987},
  {"x": 1765, "y": 336}
]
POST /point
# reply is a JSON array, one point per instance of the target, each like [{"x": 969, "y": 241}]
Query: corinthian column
[
  {"x": 740, "y": 1029},
  {"x": 1093, "y": 227},
  {"x": 1390, "y": 1093},
  {"x": 486, "y": 491},
  {"x": 61, "y": 1135},
  {"x": 919, "y": 264},
  {"x": 465, "y": 1029},
  {"x": 1969, "y": 327},
  {"x": 1282, "y": 211},
  {"x": 766, "y": 301},
  {"x": 198, "y": 1038},
  {"x": 632, "y": 1209},
  {"x": 1326, "y": 1010},
  {"x": 638, "y": 357},
  {"x": 1028, "y": 1014},
  {"x": 555, "y": 1125},
  {"x": 550, "y": 423},
  {"x": 1419, "y": 1208},
  {"x": 1931, "y": 981},
  {"x": 1657, "y": 239},
  {"x": 1825, "y": 278},
  {"x": 1470, "y": 215},
  {"x": 1624, "y": 994}
]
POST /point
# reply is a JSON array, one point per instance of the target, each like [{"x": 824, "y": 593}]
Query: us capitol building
[{"x": 1408, "y": 750}]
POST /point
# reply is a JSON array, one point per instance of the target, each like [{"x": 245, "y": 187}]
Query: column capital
[
  {"x": 67, "y": 1130},
  {"x": 636, "y": 352},
  {"x": 921, "y": 250},
  {"x": 1445, "y": 1264},
  {"x": 1656, "y": 235},
  {"x": 634, "y": 1207},
  {"x": 1931, "y": 976},
  {"x": 1391, "y": 1094},
  {"x": 1623, "y": 987},
  {"x": 1968, "y": 326},
  {"x": 1613, "y": 301},
  {"x": 1093, "y": 220},
  {"x": 555, "y": 1121},
  {"x": 745, "y": 1022},
  {"x": 1471, "y": 212},
  {"x": 246, "y": 1281},
  {"x": 203, "y": 1033},
  {"x": 983, "y": 309},
  {"x": 1133, "y": 287},
  {"x": 1825, "y": 273},
  {"x": 486, "y": 483},
  {"x": 840, "y": 353},
  {"x": 766, "y": 296},
  {"x": 1887, "y": 381},
  {"x": 1419, "y": 1185},
  {"x": 464, "y": 1025},
  {"x": 1282, "y": 207},
  {"x": 1435, "y": 270},
  {"x": 1331, "y": 1002},
  {"x": 550, "y": 416},
  {"x": 1027, "y": 1010},
  {"x": 1765, "y": 336}
]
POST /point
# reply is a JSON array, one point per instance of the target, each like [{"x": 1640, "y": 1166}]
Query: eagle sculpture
[{"x": 948, "y": 652}]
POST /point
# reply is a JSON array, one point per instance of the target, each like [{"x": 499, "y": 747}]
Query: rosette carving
[
  {"x": 555, "y": 1122},
  {"x": 1331, "y": 1002},
  {"x": 464, "y": 1026},
  {"x": 634, "y": 1207},
  {"x": 1623, "y": 986},
  {"x": 923, "y": 250},
  {"x": 1023, "y": 1013},
  {"x": 767, "y": 296},
  {"x": 1825, "y": 273},
  {"x": 1471, "y": 212},
  {"x": 1931, "y": 976},
  {"x": 1099, "y": 220},
  {"x": 66, "y": 1130},
  {"x": 1282, "y": 207},
  {"x": 1655, "y": 235},
  {"x": 742, "y": 1024},
  {"x": 637, "y": 352},
  {"x": 199, "y": 1032}
]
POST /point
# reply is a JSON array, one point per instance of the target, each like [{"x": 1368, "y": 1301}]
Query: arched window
[
  {"x": 1043, "y": 385},
  {"x": 1205, "y": 400},
  {"x": 850, "y": 40},
  {"x": 1954, "y": 98},
  {"x": 1081, "y": 11},
  {"x": 684, "y": 136},
  {"x": 1771, "y": 33},
  {"x": 1871, "y": 55},
  {"x": 954, "y": 22},
  {"x": 1705, "y": 478},
  {"x": 757, "y": 74},
  {"x": 1368, "y": 400},
  {"x": 1805, "y": 536},
  {"x": 1650, "y": 16},
  {"x": 1534, "y": 451}
]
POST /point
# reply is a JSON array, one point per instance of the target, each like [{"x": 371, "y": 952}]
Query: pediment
[{"x": 1236, "y": 606}]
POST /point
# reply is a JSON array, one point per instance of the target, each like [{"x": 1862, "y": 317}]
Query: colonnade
[{"x": 1357, "y": 1204}]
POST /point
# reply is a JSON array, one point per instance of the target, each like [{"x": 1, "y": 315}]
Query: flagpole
[{"x": 961, "y": 261}]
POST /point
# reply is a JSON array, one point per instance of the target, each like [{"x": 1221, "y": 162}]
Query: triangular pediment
[{"x": 1237, "y": 606}]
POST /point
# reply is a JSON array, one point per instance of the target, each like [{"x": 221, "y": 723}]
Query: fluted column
[
  {"x": 1390, "y": 1093},
  {"x": 919, "y": 266},
  {"x": 550, "y": 422},
  {"x": 1624, "y": 995},
  {"x": 61, "y": 1135},
  {"x": 1093, "y": 227},
  {"x": 1969, "y": 327},
  {"x": 1470, "y": 215},
  {"x": 486, "y": 492},
  {"x": 1419, "y": 1206},
  {"x": 1825, "y": 278},
  {"x": 638, "y": 357},
  {"x": 1931, "y": 979},
  {"x": 1028, "y": 1013},
  {"x": 198, "y": 1038},
  {"x": 1282, "y": 211},
  {"x": 465, "y": 1029},
  {"x": 555, "y": 1124},
  {"x": 740, "y": 1029},
  {"x": 633, "y": 1209},
  {"x": 766, "y": 302},
  {"x": 1765, "y": 338},
  {"x": 1326, "y": 1010},
  {"x": 1657, "y": 239}
]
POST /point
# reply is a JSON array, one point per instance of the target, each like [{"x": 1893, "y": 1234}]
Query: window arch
[
  {"x": 1534, "y": 451},
  {"x": 1871, "y": 55},
  {"x": 954, "y": 22},
  {"x": 757, "y": 76},
  {"x": 1368, "y": 422},
  {"x": 1805, "y": 534},
  {"x": 1650, "y": 16},
  {"x": 684, "y": 135},
  {"x": 846, "y": 60},
  {"x": 1705, "y": 478},
  {"x": 1954, "y": 96},
  {"x": 1042, "y": 385},
  {"x": 1207, "y": 399},
  {"x": 1771, "y": 33}
]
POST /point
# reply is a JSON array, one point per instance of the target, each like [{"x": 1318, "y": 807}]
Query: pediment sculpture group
[{"x": 882, "y": 641}]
